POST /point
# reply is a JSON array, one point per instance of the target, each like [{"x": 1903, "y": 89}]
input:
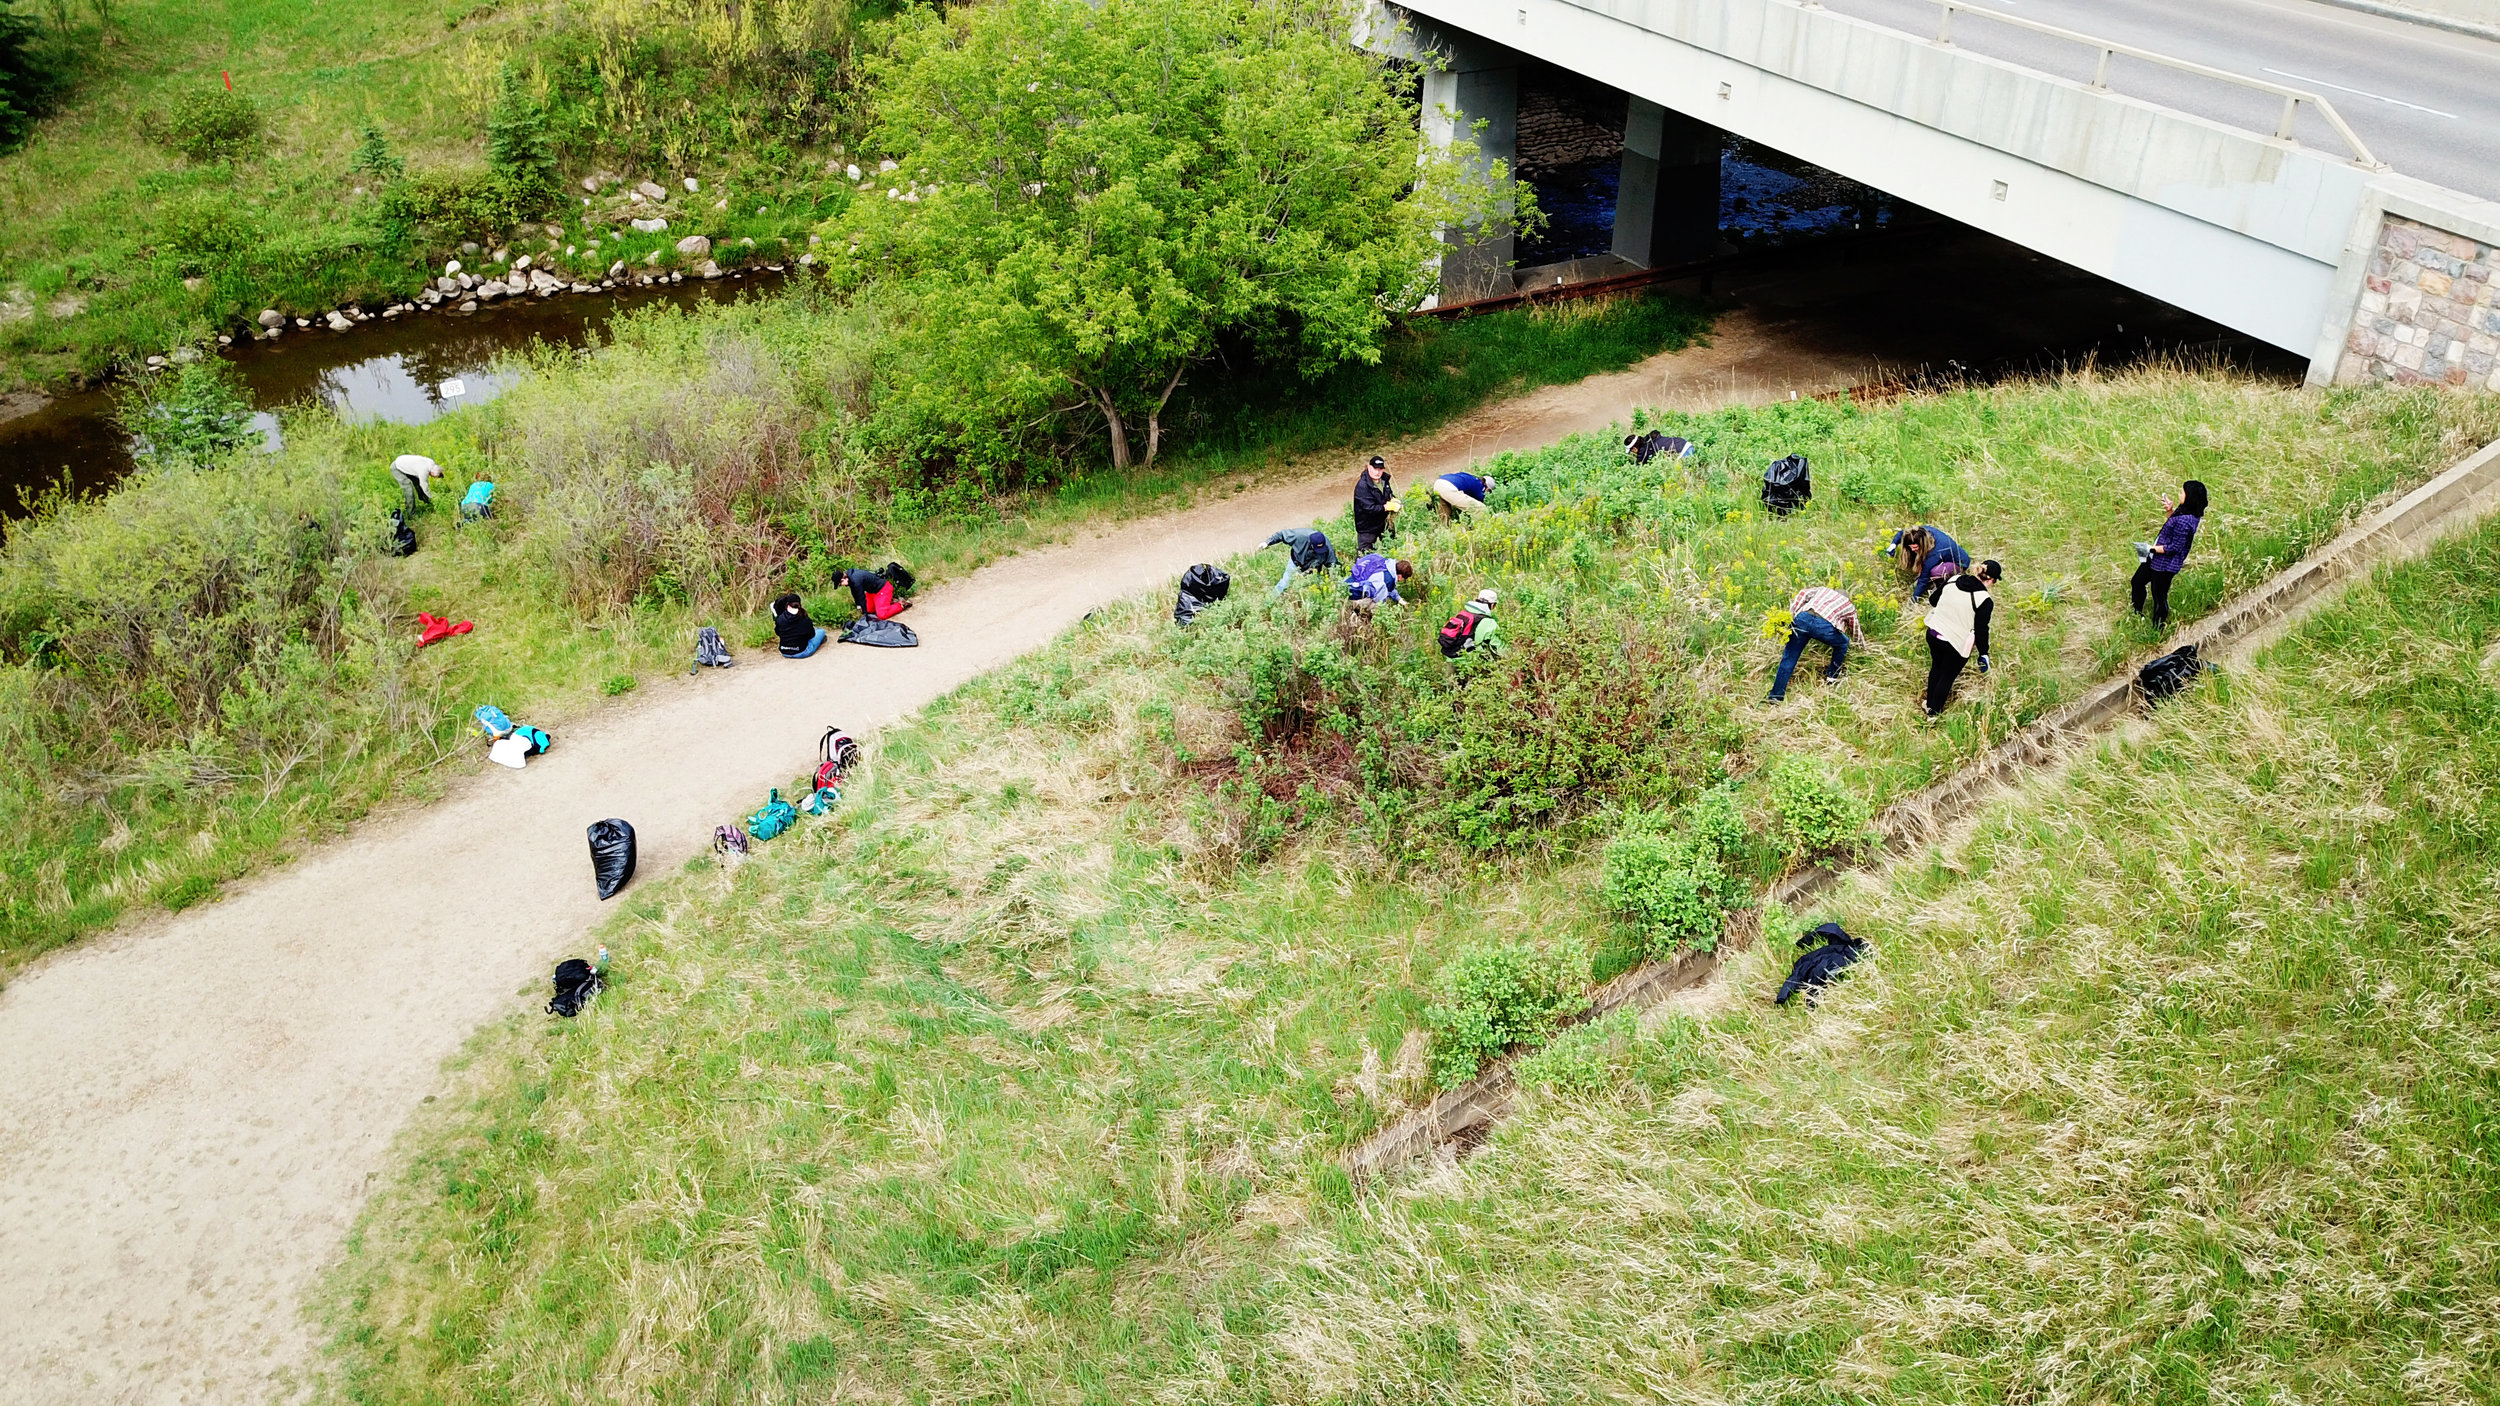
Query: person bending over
[
  {"x": 1306, "y": 549},
  {"x": 412, "y": 471},
  {"x": 1375, "y": 579},
  {"x": 873, "y": 593},
  {"x": 1957, "y": 631},
  {"x": 2167, "y": 552},
  {"x": 1458, "y": 493},
  {"x": 1928, "y": 558},
  {"x": 799, "y": 636},
  {"x": 1818, "y": 613}
]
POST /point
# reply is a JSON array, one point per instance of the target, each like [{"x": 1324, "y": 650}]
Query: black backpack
[
  {"x": 403, "y": 537},
  {"x": 576, "y": 983},
  {"x": 1787, "y": 484},
  {"x": 1201, "y": 586},
  {"x": 1831, "y": 948},
  {"x": 1655, "y": 443},
  {"x": 2172, "y": 673}
]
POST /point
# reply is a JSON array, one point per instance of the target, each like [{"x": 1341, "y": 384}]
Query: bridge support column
[
  {"x": 1667, "y": 208},
  {"x": 1478, "y": 82}
]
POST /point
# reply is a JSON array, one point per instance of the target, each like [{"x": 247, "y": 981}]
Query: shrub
[
  {"x": 206, "y": 230},
  {"x": 219, "y": 125},
  {"x": 192, "y": 415},
  {"x": 1578, "y": 715},
  {"x": 1717, "y": 824},
  {"x": 31, "y": 78},
  {"x": 1816, "y": 816},
  {"x": 1498, "y": 995},
  {"x": 617, "y": 685},
  {"x": 1672, "y": 892},
  {"x": 456, "y": 202},
  {"x": 1580, "y": 1059}
]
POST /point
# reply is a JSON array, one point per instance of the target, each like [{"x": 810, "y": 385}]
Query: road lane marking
[{"x": 2358, "y": 93}]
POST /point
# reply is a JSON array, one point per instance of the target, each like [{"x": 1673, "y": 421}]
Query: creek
[{"x": 403, "y": 370}]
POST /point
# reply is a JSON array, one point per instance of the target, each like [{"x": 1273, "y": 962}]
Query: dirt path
[{"x": 193, "y": 1107}]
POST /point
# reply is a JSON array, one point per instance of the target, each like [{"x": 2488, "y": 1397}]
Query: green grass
[
  {"x": 89, "y": 271},
  {"x": 114, "y": 798},
  {"x": 1021, "y": 1077}
]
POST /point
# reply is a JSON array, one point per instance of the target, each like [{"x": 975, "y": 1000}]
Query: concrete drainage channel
[{"x": 1463, "y": 1118}]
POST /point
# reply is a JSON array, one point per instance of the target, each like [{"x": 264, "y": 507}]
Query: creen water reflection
[{"x": 405, "y": 370}]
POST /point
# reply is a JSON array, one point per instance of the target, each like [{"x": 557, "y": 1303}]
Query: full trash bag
[
  {"x": 1787, "y": 485},
  {"x": 611, "y": 855},
  {"x": 1201, "y": 586},
  {"x": 885, "y": 634},
  {"x": 2171, "y": 674}
]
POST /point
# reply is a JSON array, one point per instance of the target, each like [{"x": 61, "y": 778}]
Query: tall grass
[{"x": 1022, "y": 1077}]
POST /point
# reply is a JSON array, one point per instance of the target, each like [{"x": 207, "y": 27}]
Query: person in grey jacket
[{"x": 1306, "y": 549}]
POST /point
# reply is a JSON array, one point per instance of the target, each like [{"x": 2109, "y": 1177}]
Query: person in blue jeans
[
  {"x": 799, "y": 635},
  {"x": 1818, "y": 614},
  {"x": 1306, "y": 549}
]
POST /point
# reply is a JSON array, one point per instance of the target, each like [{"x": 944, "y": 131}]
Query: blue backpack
[
  {"x": 775, "y": 816},
  {"x": 492, "y": 722},
  {"x": 821, "y": 800}
]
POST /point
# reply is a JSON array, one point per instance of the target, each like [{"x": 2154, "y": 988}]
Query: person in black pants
[
  {"x": 2167, "y": 552},
  {"x": 1372, "y": 497},
  {"x": 1957, "y": 631}
]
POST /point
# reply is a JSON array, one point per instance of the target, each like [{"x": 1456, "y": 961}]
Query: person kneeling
[
  {"x": 799, "y": 635},
  {"x": 873, "y": 592}
]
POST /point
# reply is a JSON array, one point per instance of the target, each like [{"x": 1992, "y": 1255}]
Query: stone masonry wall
[{"x": 2430, "y": 311}]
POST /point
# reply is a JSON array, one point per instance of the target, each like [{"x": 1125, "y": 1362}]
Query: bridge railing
[{"x": 2292, "y": 97}]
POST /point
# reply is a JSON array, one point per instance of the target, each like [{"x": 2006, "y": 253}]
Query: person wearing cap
[
  {"x": 1375, "y": 504},
  {"x": 1460, "y": 492},
  {"x": 1817, "y": 613},
  {"x": 1474, "y": 630},
  {"x": 1306, "y": 549},
  {"x": 411, "y": 471},
  {"x": 1957, "y": 630}
]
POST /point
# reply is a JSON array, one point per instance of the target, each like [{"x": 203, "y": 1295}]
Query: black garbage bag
[
  {"x": 884, "y": 634},
  {"x": 1831, "y": 948},
  {"x": 576, "y": 982},
  {"x": 1201, "y": 586},
  {"x": 403, "y": 537},
  {"x": 901, "y": 576},
  {"x": 611, "y": 855},
  {"x": 1787, "y": 484},
  {"x": 2172, "y": 673}
]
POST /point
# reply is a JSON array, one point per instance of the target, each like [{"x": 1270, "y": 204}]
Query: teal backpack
[
  {"x": 775, "y": 817},
  {"x": 821, "y": 800}
]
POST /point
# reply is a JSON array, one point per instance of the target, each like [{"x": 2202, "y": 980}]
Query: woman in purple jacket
[{"x": 2168, "y": 552}]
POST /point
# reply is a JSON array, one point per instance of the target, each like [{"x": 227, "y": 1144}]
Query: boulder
[
  {"x": 156, "y": 363},
  {"x": 271, "y": 317},
  {"x": 815, "y": 239},
  {"x": 192, "y": 285},
  {"x": 694, "y": 246},
  {"x": 591, "y": 184},
  {"x": 469, "y": 306},
  {"x": 469, "y": 250},
  {"x": 693, "y": 185},
  {"x": 807, "y": 261},
  {"x": 851, "y": 170},
  {"x": 579, "y": 288},
  {"x": 652, "y": 258},
  {"x": 451, "y": 268},
  {"x": 709, "y": 269},
  {"x": 468, "y": 280},
  {"x": 651, "y": 190},
  {"x": 491, "y": 289},
  {"x": 338, "y": 321},
  {"x": 652, "y": 226},
  {"x": 616, "y": 268},
  {"x": 885, "y": 166},
  {"x": 520, "y": 264}
]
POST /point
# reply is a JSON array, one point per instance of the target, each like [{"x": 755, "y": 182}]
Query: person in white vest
[
  {"x": 1957, "y": 631},
  {"x": 412, "y": 470}
]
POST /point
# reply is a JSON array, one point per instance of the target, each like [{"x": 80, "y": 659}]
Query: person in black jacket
[
  {"x": 1372, "y": 497},
  {"x": 799, "y": 635},
  {"x": 1957, "y": 631}
]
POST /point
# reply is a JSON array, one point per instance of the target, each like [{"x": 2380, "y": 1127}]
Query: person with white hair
[{"x": 411, "y": 471}]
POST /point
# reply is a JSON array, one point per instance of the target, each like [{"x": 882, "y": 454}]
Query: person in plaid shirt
[{"x": 1818, "y": 613}]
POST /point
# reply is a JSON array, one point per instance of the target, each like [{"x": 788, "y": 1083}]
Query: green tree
[
  {"x": 29, "y": 78},
  {"x": 1091, "y": 195},
  {"x": 375, "y": 158},
  {"x": 518, "y": 147}
]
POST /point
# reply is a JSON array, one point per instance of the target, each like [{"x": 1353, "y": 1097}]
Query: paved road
[{"x": 2426, "y": 101}]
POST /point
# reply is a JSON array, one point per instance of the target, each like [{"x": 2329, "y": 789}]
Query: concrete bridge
[{"x": 2294, "y": 230}]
